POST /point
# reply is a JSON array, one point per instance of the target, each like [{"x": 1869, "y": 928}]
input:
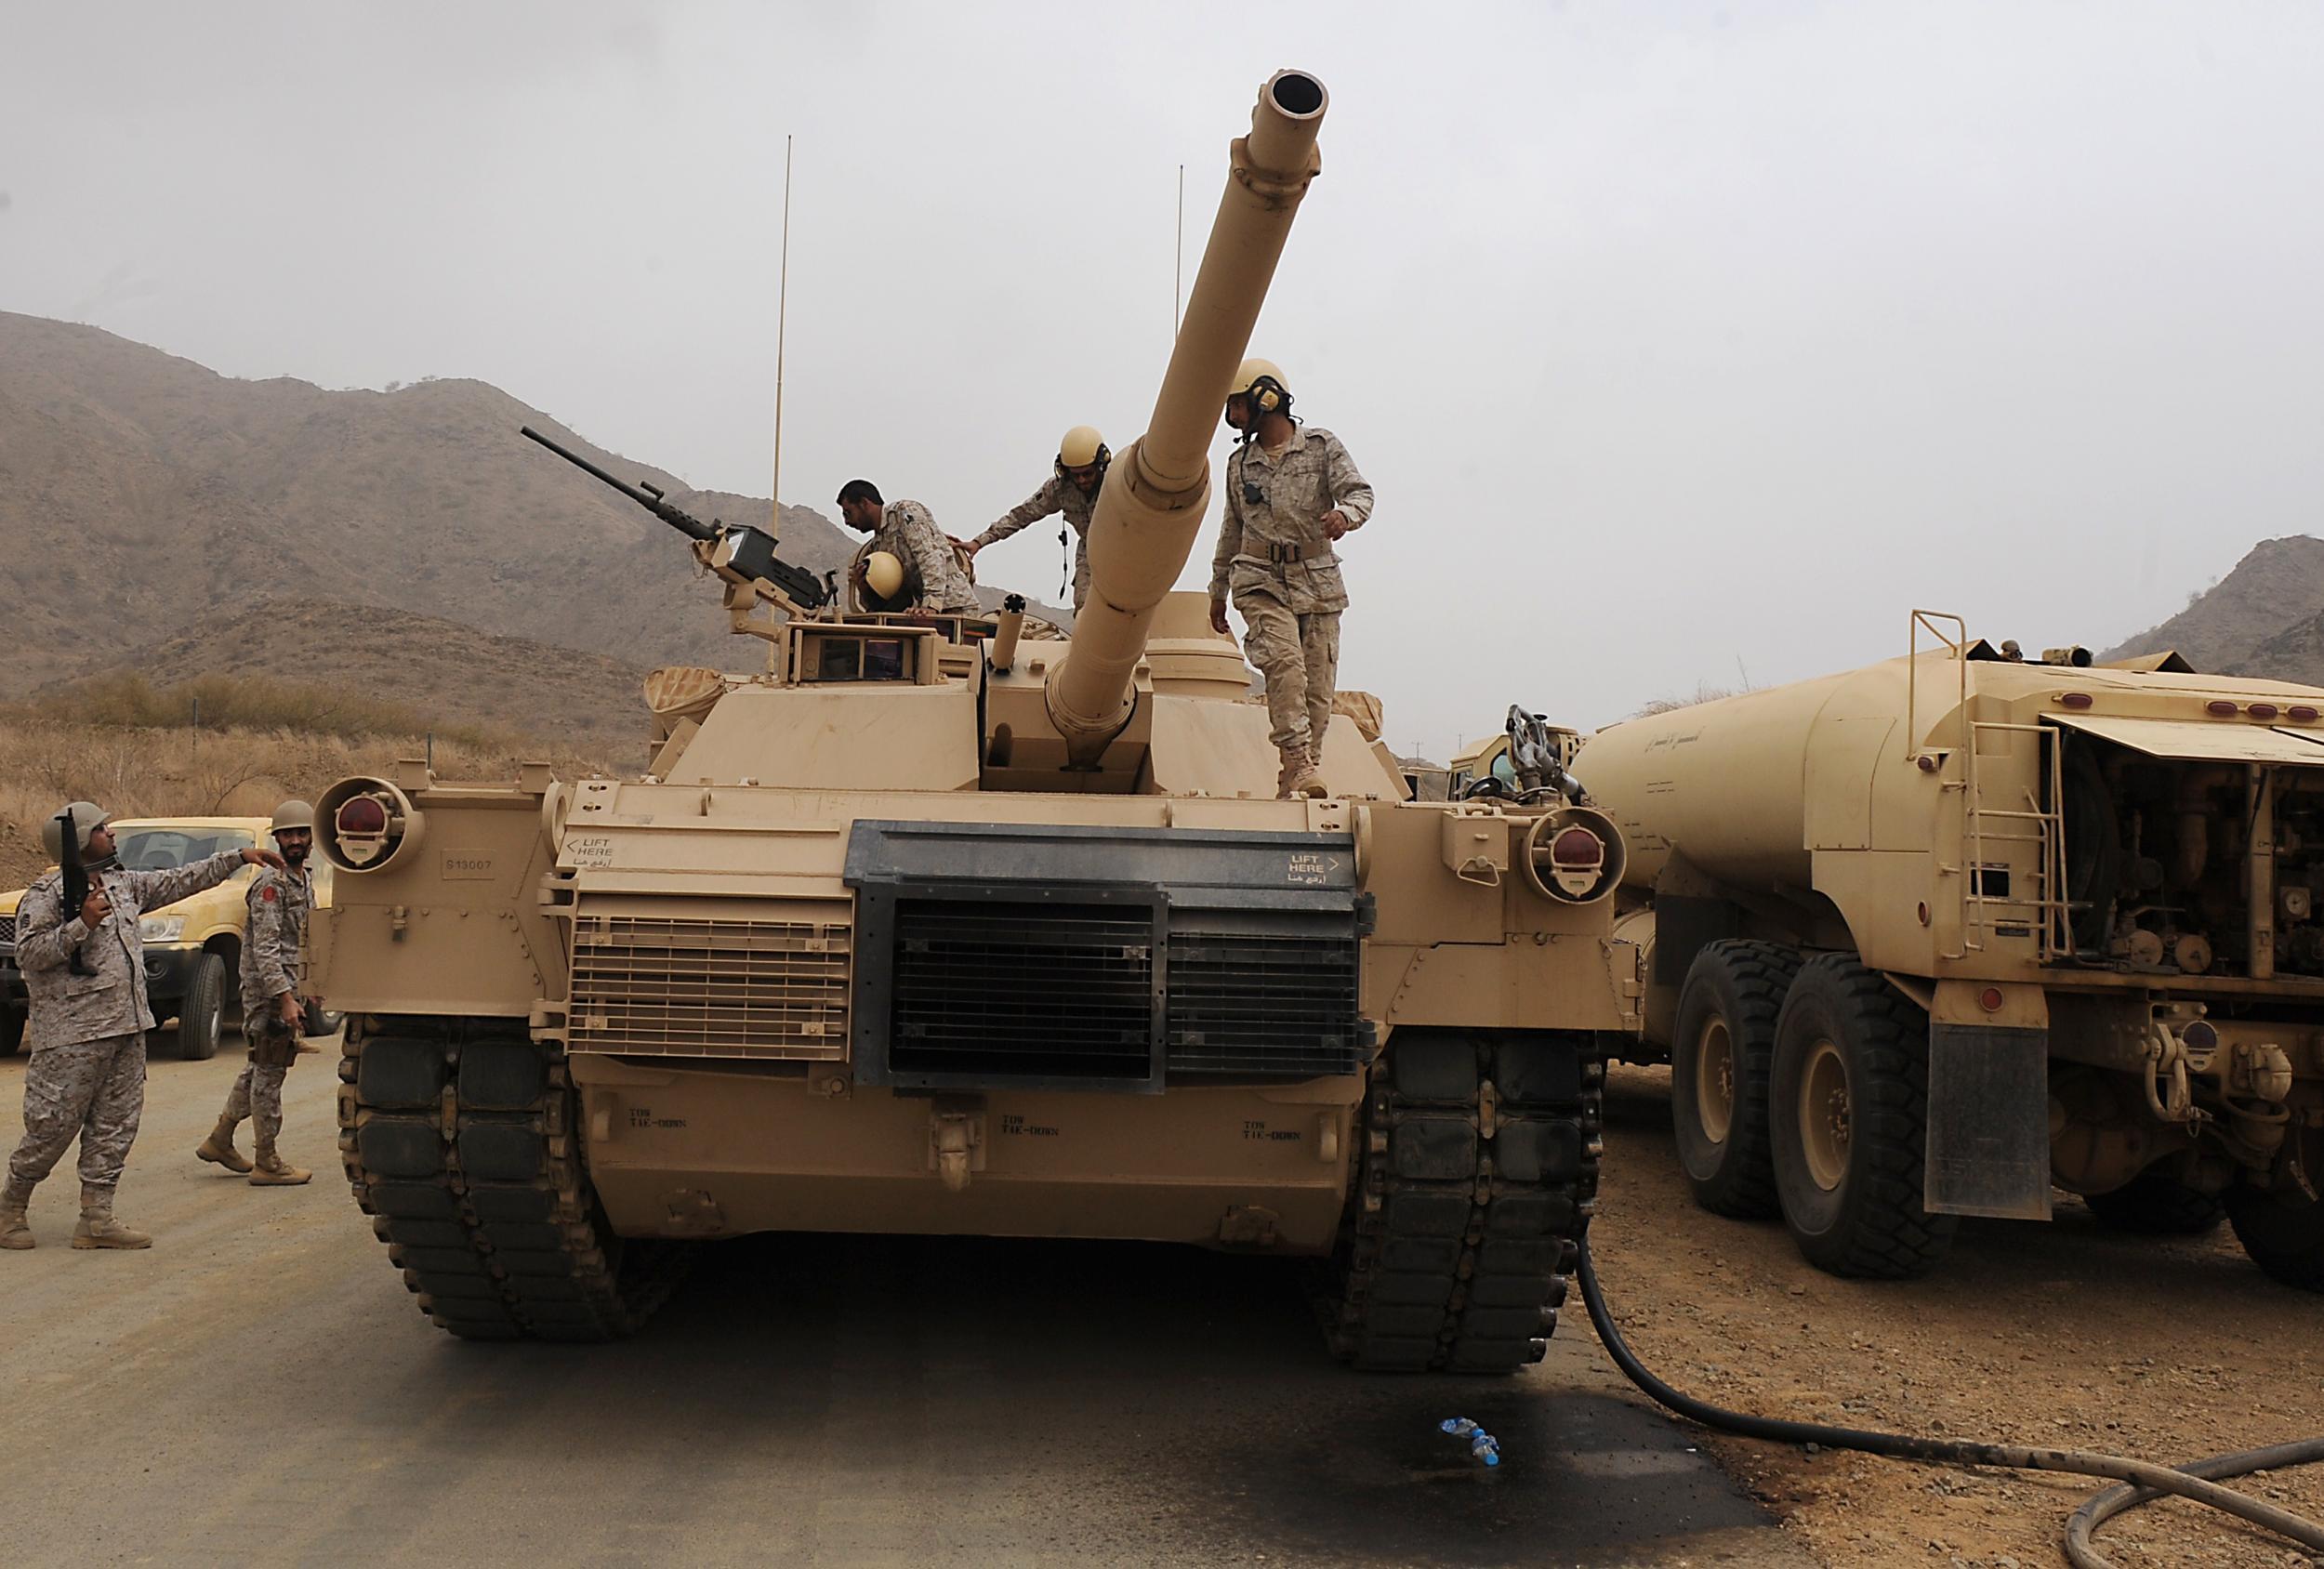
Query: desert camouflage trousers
[
  {"x": 1299, "y": 656},
  {"x": 93, "y": 1089},
  {"x": 258, "y": 1095}
]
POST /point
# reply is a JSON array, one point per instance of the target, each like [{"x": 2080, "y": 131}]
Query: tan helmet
[
  {"x": 883, "y": 575},
  {"x": 1262, "y": 381},
  {"x": 1081, "y": 446},
  {"x": 293, "y": 814},
  {"x": 87, "y": 817}
]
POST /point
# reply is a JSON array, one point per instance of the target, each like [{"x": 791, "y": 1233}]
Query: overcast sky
[{"x": 1681, "y": 342}]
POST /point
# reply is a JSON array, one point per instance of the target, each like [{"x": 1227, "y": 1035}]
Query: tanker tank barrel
[{"x": 1151, "y": 508}]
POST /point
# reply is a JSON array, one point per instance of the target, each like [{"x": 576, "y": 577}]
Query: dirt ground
[{"x": 2066, "y": 1335}]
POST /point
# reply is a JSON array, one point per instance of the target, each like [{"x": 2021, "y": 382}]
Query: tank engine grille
[
  {"x": 1261, "y": 1003},
  {"x": 1022, "y": 991},
  {"x": 710, "y": 988}
]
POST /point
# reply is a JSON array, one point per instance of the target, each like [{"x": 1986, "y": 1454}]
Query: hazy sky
[{"x": 1679, "y": 341}]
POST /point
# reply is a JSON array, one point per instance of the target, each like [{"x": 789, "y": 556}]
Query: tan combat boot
[
  {"x": 98, "y": 1227},
  {"x": 274, "y": 1171},
  {"x": 219, "y": 1148},
  {"x": 15, "y": 1235},
  {"x": 1298, "y": 777}
]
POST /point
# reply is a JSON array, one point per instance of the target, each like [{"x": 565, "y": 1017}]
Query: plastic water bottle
[{"x": 1481, "y": 1445}]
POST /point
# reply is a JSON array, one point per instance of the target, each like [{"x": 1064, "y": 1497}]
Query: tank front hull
[{"x": 705, "y": 1154}]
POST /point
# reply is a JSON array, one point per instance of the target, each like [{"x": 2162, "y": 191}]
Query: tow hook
[{"x": 956, "y": 1142}]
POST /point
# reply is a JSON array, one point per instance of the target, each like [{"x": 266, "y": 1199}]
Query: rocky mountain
[
  {"x": 454, "y": 674},
  {"x": 2259, "y": 620},
  {"x": 143, "y": 497}
]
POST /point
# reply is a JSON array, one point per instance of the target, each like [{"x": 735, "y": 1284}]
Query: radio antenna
[
  {"x": 782, "y": 320},
  {"x": 1178, "y": 255}
]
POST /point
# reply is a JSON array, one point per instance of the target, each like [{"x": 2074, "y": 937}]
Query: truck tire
[
  {"x": 2282, "y": 1229},
  {"x": 11, "y": 1029},
  {"x": 1848, "y": 1111},
  {"x": 202, "y": 1013},
  {"x": 2154, "y": 1202},
  {"x": 1721, "y": 1050}
]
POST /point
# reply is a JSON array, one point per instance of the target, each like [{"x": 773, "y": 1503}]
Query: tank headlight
[
  {"x": 365, "y": 823},
  {"x": 1574, "y": 855},
  {"x": 160, "y": 929}
]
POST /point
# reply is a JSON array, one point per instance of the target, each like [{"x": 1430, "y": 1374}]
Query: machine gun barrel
[
  {"x": 1152, "y": 506},
  {"x": 647, "y": 496}
]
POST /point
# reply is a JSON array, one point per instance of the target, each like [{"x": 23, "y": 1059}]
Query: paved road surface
[{"x": 259, "y": 1389}]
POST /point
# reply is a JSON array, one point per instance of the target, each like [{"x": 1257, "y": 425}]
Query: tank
[
  {"x": 931, "y": 926},
  {"x": 1927, "y": 938}
]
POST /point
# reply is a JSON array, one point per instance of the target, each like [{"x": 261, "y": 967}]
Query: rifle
[
  {"x": 743, "y": 554},
  {"x": 75, "y": 885}
]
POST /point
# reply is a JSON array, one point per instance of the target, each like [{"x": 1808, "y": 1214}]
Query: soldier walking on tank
[
  {"x": 273, "y": 1015},
  {"x": 85, "y": 971},
  {"x": 1291, "y": 493},
  {"x": 908, "y": 532},
  {"x": 1073, "y": 490}
]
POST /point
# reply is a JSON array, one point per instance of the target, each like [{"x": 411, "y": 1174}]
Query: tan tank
[
  {"x": 1929, "y": 938},
  {"x": 934, "y": 928}
]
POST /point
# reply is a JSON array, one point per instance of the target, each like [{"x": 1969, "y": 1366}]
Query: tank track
[
  {"x": 1477, "y": 1174},
  {"x": 461, "y": 1139}
]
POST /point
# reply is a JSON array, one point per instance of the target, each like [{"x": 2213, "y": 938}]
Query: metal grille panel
[
  {"x": 1274, "y": 1004},
  {"x": 711, "y": 988},
  {"x": 1022, "y": 990},
  {"x": 7, "y": 930}
]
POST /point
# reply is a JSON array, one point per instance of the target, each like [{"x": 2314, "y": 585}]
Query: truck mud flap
[{"x": 1989, "y": 1134}]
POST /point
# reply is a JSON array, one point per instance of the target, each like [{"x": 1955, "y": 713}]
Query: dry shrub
[
  {"x": 1704, "y": 693},
  {"x": 125, "y": 699},
  {"x": 151, "y": 771}
]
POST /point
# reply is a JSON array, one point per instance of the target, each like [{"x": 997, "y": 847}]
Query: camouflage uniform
[
  {"x": 86, "y": 1034},
  {"x": 908, "y": 533},
  {"x": 1061, "y": 495},
  {"x": 1273, "y": 555},
  {"x": 270, "y": 969}
]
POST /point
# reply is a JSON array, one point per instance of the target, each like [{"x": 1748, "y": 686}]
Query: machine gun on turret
[{"x": 741, "y": 555}]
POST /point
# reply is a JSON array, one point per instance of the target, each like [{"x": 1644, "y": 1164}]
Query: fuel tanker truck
[
  {"x": 1930, "y": 938},
  {"x": 933, "y": 928}
]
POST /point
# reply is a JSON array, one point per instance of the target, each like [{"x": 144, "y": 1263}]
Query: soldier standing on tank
[
  {"x": 908, "y": 532},
  {"x": 86, "y": 1032},
  {"x": 1070, "y": 489},
  {"x": 1291, "y": 493},
  {"x": 273, "y": 1015}
]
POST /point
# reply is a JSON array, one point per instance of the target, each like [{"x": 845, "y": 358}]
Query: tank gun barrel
[{"x": 1151, "y": 508}]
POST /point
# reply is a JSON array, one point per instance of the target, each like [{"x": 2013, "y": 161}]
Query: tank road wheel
[
  {"x": 462, "y": 1140},
  {"x": 1478, "y": 1173},
  {"x": 1722, "y": 1051},
  {"x": 1848, "y": 1113},
  {"x": 2283, "y": 1228},
  {"x": 2154, "y": 1202},
  {"x": 201, "y": 1014}
]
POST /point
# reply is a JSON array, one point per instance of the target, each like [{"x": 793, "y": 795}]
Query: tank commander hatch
[
  {"x": 1291, "y": 493},
  {"x": 907, "y": 531},
  {"x": 1072, "y": 488}
]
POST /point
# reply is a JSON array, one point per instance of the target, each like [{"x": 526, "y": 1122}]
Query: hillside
[
  {"x": 145, "y": 495},
  {"x": 455, "y": 674},
  {"x": 2237, "y": 624}
]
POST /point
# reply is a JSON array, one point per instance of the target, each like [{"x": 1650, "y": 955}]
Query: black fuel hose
[{"x": 2199, "y": 1482}]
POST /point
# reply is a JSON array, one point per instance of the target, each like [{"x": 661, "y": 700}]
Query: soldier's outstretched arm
[
  {"x": 45, "y": 933},
  {"x": 1024, "y": 515},
  {"x": 154, "y": 890},
  {"x": 1350, "y": 493}
]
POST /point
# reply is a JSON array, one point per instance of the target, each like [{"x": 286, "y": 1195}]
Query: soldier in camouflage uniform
[
  {"x": 905, "y": 531},
  {"x": 86, "y": 1032},
  {"x": 273, "y": 1018},
  {"x": 1073, "y": 490},
  {"x": 1290, "y": 495}
]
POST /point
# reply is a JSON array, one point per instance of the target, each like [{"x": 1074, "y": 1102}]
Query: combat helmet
[
  {"x": 87, "y": 817},
  {"x": 293, "y": 814},
  {"x": 1262, "y": 381},
  {"x": 1080, "y": 447}
]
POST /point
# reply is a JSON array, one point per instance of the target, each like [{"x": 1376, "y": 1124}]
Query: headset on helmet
[
  {"x": 1080, "y": 447},
  {"x": 1260, "y": 381}
]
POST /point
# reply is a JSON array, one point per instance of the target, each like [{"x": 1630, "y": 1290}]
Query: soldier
[
  {"x": 1073, "y": 490},
  {"x": 272, "y": 1017},
  {"x": 905, "y": 531},
  {"x": 86, "y": 1032},
  {"x": 1290, "y": 495}
]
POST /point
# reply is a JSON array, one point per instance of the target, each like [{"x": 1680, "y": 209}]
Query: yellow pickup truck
[{"x": 192, "y": 948}]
